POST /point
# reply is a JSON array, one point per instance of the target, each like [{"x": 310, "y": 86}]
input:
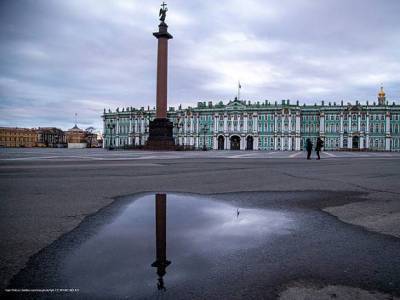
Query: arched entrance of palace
[
  {"x": 235, "y": 142},
  {"x": 356, "y": 142},
  {"x": 221, "y": 142},
  {"x": 249, "y": 143}
]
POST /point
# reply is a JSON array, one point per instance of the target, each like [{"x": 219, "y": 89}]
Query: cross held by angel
[{"x": 163, "y": 12}]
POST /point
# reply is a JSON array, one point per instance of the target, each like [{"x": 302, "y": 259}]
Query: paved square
[{"x": 48, "y": 192}]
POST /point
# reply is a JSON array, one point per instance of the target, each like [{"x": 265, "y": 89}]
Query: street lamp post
[
  {"x": 205, "y": 127},
  {"x": 178, "y": 126},
  {"x": 111, "y": 128}
]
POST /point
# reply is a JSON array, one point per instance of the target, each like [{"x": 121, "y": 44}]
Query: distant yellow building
[
  {"x": 76, "y": 138},
  {"x": 51, "y": 137},
  {"x": 18, "y": 137}
]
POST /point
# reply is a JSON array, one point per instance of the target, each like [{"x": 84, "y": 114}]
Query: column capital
[{"x": 162, "y": 32}]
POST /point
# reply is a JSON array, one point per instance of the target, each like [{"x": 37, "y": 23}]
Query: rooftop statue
[{"x": 163, "y": 12}]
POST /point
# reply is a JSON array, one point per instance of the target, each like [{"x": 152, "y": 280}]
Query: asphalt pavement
[{"x": 46, "y": 193}]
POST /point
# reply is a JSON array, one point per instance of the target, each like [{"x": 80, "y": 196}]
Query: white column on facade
[
  {"x": 349, "y": 120},
  {"x": 275, "y": 143},
  {"x": 275, "y": 124},
  {"x": 227, "y": 143},
  {"x": 242, "y": 142},
  {"x": 367, "y": 133},
  {"x": 184, "y": 129},
  {"x": 298, "y": 122},
  {"x": 290, "y": 132},
  {"x": 225, "y": 124},
  {"x": 104, "y": 131},
  {"x": 137, "y": 131},
  {"x": 191, "y": 124},
  {"x": 349, "y": 142},
  {"x": 194, "y": 125},
  {"x": 387, "y": 132},
  {"x": 255, "y": 143},
  {"x": 145, "y": 130},
  {"x": 117, "y": 133},
  {"x": 358, "y": 122},
  {"x": 341, "y": 131},
  {"x": 130, "y": 131},
  {"x": 361, "y": 146},
  {"x": 298, "y": 143},
  {"x": 215, "y": 124},
  {"x": 322, "y": 124},
  {"x": 341, "y": 124},
  {"x": 255, "y": 123},
  {"x": 245, "y": 123}
]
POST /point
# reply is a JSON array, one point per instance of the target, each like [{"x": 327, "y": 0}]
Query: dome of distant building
[{"x": 76, "y": 138}]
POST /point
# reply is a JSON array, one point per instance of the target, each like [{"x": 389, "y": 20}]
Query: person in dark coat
[
  {"x": 309, "y": 148},
  {"x": 318, "y": 147}
]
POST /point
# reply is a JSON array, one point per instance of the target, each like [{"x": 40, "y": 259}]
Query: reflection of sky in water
[{"x": 200, "y": 233}]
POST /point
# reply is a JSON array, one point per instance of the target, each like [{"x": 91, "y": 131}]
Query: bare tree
[{"x": 90, "y": 134}]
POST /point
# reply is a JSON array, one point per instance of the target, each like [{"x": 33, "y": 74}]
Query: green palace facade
[{"x": 284, "y": 126}]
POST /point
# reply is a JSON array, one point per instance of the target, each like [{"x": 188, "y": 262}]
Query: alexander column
[
  {"x": 160, "y": 129},
  {"x": 161, "y": 262}
]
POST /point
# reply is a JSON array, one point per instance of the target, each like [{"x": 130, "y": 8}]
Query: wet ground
[
  {"x": 233, "y": 245},
  {"x": 64, "y": 154}
]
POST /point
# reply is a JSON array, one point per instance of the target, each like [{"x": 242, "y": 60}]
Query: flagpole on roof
[{"x": 239, "y": 87}]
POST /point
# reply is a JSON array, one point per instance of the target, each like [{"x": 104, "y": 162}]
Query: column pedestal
[{"x": 160, "y": 135}]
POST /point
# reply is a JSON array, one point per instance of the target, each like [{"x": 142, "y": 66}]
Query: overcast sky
[{"x": 61, "y": 57}]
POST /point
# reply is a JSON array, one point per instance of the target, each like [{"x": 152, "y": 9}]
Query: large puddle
[
  {"x": 230, "y": 246},
  {"x": 161, "y": 241}
]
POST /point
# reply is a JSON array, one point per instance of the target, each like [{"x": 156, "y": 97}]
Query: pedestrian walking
[
  {"x": 309, "y": 145},
  {"x": 318, "y": 147}
]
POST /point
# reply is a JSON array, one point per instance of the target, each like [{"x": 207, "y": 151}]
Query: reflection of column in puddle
[{"x": 161, "y": 241}]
